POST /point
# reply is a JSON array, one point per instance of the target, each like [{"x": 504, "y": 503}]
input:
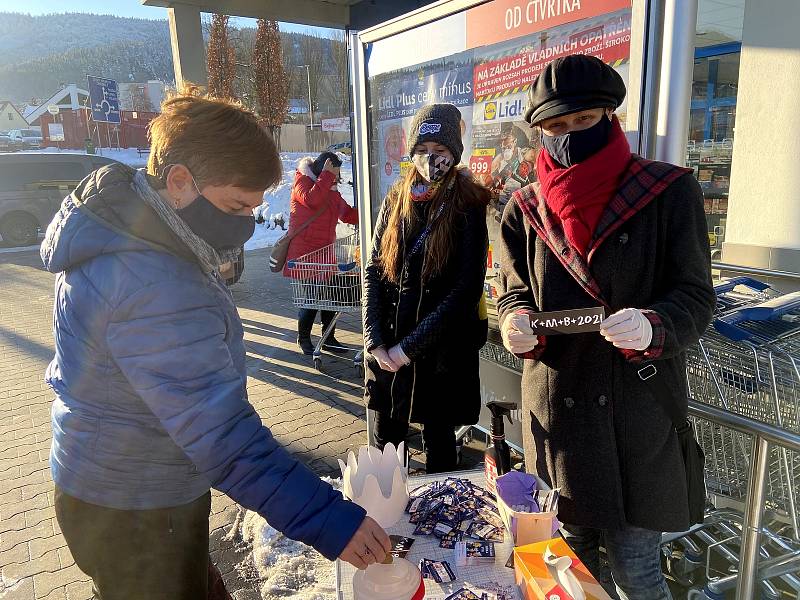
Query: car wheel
[{"x": 19, "y": 230}]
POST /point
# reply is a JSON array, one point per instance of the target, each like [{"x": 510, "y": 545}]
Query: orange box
[{"x": 534, "y": 580}]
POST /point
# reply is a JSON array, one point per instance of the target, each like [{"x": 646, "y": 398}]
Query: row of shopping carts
[{"x": 748, "y": 363}]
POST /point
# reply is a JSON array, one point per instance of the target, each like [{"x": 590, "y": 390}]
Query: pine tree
[
  {"x": 221, "y": 59},
  {"x": 271, "y": 80}
]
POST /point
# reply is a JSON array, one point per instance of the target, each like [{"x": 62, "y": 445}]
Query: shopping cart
[
  {"x": 747, "y": 362},
  {"x": 329, "y": 279},
  {"x": 741, "y": 291}
]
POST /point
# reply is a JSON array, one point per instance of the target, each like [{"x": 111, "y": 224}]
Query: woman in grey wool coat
[{"x": 604, "y": 227}]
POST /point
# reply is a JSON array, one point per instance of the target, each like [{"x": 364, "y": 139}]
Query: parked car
[
  {"x": 9, "y": 145},
  {"x": 32, "y": 187},
  {"x": 30, "y": 139},
  {"x": 343, "y": 147}
]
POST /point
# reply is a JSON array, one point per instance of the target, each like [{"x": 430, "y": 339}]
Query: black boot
[
  {"x": 331, "y": 343},
  {"x": 305, "y": 321}
]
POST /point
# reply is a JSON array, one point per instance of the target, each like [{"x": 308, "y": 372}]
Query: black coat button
[
  {"x": 569, "y": 402},
  {"x": 564, "y": 251},
  {"x": 602, "y": 400}
]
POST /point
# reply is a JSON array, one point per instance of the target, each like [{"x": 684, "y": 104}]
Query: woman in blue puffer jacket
[{"x": 149, "y": 374}]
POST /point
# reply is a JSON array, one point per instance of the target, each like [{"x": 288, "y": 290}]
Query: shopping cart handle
[
  {"x": 771, "y": 310},
  {"x": 730, "y": 284}
]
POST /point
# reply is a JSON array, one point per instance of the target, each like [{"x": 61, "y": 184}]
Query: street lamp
[{"x": 310, "y": 107}]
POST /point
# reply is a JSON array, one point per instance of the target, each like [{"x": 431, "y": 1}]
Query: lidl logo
[{"x": 489, "y": 110}]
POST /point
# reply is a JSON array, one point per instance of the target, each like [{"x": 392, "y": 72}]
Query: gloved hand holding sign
[
  {"x": 628, "y": 329},
  {"x": 518, "y": 336}
]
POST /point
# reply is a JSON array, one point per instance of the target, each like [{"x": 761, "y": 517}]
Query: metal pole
[
  {"x": 648, "y": 112},
  {"x": 359, "y": 134},
  {"x": 675, "y": 89},
  {"x": 751, "y": 527},
  {"x": 310, "y": 106}
]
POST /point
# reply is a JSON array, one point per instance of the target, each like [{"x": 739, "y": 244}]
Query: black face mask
[
  {"x": 219, "y": 229},
  {"x": 576, "y": 146}
]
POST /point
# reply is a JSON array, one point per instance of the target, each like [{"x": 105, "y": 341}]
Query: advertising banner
[
  {"x": 513, "y": 69},
  {"x": 401, "y": 93},
  {"x": 502, "y": 20}
]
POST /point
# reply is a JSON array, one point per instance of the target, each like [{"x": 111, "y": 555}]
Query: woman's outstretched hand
[{"x": 369, "y": 545}]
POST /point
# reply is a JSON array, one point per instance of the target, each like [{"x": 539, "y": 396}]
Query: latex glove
[
  {"x": 517, "y": 334},
  {"x": 628, "y": 329},
  {"x": 369, "y": 544},
  {"x": 384, "y": 361},
  {"x": 398, "y": 356}
]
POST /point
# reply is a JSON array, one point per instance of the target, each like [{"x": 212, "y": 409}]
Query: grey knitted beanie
[{"x": 437, "y": 123}]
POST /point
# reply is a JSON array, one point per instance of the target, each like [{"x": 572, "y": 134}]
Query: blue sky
[{"x": 120, "y": 8}]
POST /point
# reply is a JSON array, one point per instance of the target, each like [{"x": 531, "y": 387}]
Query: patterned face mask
[{"x": 432, "y": 167}]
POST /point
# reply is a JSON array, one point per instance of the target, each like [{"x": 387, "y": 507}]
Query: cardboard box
[
  {"x": 527, "y": 528},
  {"x": 534, "y": 580}
]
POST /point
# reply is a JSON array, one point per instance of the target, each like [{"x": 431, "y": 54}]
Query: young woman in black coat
[
  {"x": 604, "y": 227},
  {"x": 422, "y": 289}
]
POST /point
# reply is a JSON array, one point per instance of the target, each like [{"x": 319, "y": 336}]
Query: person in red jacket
[{"x": 316, "y": 186}]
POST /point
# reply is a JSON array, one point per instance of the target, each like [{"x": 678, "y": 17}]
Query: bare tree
[
  {"x": 221, "y": 59},
  {"x": 271, "y": 83}
]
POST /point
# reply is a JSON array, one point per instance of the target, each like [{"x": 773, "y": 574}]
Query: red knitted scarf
[{"x": 578, "y": 195}]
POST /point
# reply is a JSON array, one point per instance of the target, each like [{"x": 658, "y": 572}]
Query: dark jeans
[
  {"x": 307, "y": 316},
  {"x": 634, "y": 569},
  {"x": 440, "y": 441},
  {"x": 159, "y": 554}
]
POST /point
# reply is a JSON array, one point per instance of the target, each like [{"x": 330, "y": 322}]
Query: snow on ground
[{"x": 285, "y": 568}]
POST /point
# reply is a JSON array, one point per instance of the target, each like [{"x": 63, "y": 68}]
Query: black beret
[{"x": 572, "y": 83}]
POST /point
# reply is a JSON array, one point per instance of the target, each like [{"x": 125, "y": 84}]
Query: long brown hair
[{"x": 458, "y": 192}]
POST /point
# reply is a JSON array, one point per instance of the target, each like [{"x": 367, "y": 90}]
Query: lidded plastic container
[{"x": 399, "y": 580}]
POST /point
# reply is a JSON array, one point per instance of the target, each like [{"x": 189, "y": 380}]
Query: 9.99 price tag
[{"x": 480, "y": 165}]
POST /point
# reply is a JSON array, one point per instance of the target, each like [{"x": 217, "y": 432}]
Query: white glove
[
  {"x": 517, "y": 333},
  {"x": 628, "y": 329},
  {"x": 384, "y": 362},
  {"x": 398, "y": 356}
]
